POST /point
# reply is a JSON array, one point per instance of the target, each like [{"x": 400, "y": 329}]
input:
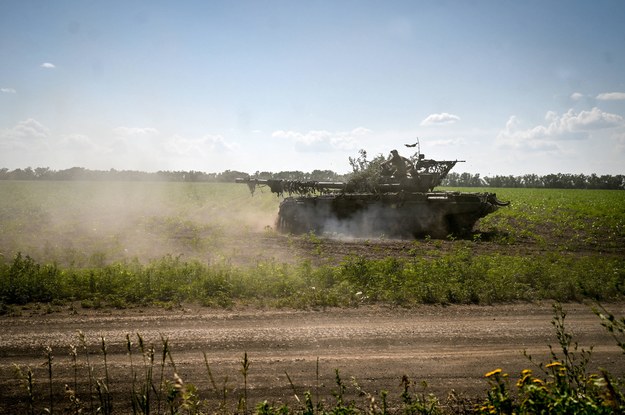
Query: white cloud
[
  {"x": 439, "y": 119},
  {"x": 531, "y": 139},
  {"x": 26, "y": 135},
  {"x": 217, "y": 142},
  {"x": 595, "y": 119},
  {"x": 568, "y": 126},
  {"x": 193, "y": 147},
  {"x": 611, "y": 96},
  {"x": 457, "y": 141},
  {"x": 321, "y": 140},
  {"x": 135, "y": 131},
  {"x": 48, "y": 65},
  {"x": 28, "y": 129},
  {"x": 8, "y": 91},
  {"x": 80, "y": 142},
  {"x": 576, "y": 96}
]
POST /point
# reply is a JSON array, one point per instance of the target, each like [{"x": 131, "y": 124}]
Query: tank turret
[{"x": 391, "y": 198}]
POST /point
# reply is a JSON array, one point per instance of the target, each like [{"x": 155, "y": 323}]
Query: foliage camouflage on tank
[{"x": 391, "y": 197}]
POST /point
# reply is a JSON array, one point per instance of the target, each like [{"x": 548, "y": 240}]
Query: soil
[
  {"x": 450, "y": 348},
  {"x": 251, "y": 247}
]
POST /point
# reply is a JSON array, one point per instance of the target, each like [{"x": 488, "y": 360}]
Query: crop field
[
  {"x": 163, "y": 272},
  {"x": 97, "y": 242},
  {"x": 547, "y": 244}
]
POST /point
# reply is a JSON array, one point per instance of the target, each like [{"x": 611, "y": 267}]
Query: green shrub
[{"x": 564, "y": 387}]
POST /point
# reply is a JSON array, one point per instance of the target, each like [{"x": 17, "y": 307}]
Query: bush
[{"x": 565, "y": 386}]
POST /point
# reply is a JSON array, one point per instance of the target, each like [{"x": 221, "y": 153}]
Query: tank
[{"x": 391, "y": 197}]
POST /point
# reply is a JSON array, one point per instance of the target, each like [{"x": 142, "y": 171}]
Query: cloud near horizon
[
  {"x": 81, "y": 142},
  {"x": 439, "y": 119},
  {"x": 321, "y": 140},
  {"x": 28, "y": 130},
  {"x": 135, "y": 131},
  {"x": 568, "y": 126},
  {"x": 184, "y": 146},
  {"x": 48, "y": 65},
  {"x": 27, "y": 135}
]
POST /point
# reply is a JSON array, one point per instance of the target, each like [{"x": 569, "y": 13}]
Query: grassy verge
[{"x": 458, "y": 276}]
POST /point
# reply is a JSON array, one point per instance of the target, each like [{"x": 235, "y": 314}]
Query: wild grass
[
  {"x": 458, "y": 277},
  {"x": 563, "y": 384}
]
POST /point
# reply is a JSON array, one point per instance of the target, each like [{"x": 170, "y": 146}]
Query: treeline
[
  {"x": 550, "y": 181},
  {"x": 80, "y": 173}
]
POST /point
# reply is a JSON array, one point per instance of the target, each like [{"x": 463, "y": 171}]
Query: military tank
[{"x": 383, "y": 198}]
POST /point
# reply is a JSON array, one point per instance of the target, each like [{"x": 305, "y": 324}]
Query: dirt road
[{"x": 448, "y": 347}]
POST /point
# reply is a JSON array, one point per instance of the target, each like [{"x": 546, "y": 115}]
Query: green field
[{"x": 137, "y": 243}]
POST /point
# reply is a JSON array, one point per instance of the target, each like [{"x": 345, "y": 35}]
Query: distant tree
[
  {"x": 229, "y": 176},
  {"x": 468, "y": 180},
  {"x": 292, "y": 175},
  {"x": 74, "y": 173},
  {"x": 531, "y": 180},
  {"x": 554, "y": 181},
  {"x": 494, "y": 181},
  {"x": 578, "y": 181},
  {"x": 263, "y": 175},
  {"x": 42, "y": 173},
  {"x": 22, "y": 174},
  {"x": 611, "y": 182},
  {"x": 451, "y": 180},
  {"x": 324, "y": 175}
]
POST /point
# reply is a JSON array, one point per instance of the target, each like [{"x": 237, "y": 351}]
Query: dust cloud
[
  {"x": 376, "y": 221},
  {"x": 96, "y": 223}
]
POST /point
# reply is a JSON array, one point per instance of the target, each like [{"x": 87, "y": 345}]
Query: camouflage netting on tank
[{"x": 294, "y": 187}]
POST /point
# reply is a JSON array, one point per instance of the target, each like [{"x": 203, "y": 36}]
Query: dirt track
[{"x": 448, "y": 347}]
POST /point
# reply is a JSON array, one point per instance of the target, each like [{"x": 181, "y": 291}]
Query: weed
[
  {"x": 418, "y": 403},
  {"x": 565, "y": 386},
  {"x": 27, "y": 381}
]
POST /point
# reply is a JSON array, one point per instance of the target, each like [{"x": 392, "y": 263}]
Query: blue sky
[{"x": 512, "y": 87}]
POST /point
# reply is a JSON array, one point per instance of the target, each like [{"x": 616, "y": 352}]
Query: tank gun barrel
[
  {"x": 268, "y": 182},
  {"x": 280, "y": 186}
]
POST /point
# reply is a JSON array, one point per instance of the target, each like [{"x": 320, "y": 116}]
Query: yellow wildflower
[
  {"x": 493, "y": 373},
  {"x": 553, "y": 364},
  {"x": 527, "y": 374}
]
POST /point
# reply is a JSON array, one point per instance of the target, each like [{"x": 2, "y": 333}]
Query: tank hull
[{"x": 405, "y": 215}]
